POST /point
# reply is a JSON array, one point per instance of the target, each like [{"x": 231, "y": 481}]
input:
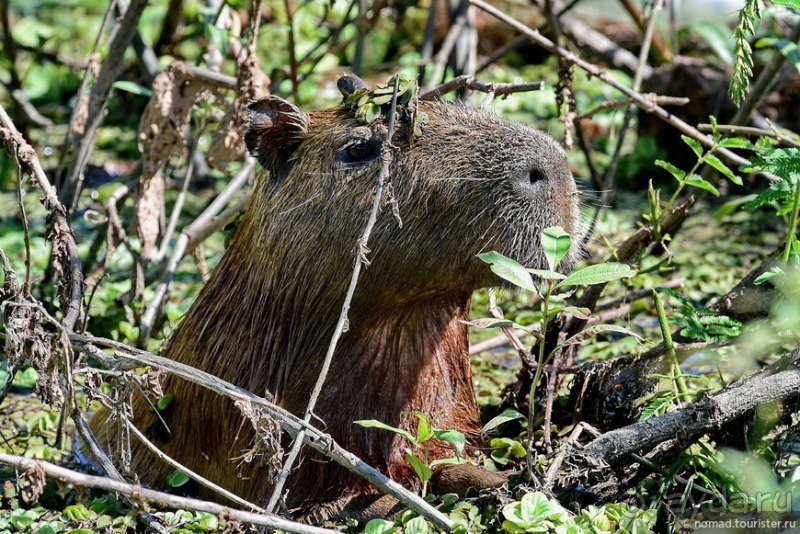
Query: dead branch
[
  {"x": 469, "y": 82},
  {"x": 695, "y": 419},
  {"x": 101, "y": 90},
  {"x": 65, "y": 249},
  {"x": 656, "y": 99},
  {"x": 158, "y": 497}
]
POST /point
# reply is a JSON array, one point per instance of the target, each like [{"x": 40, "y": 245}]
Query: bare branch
[{"x": 158, "y": 497}]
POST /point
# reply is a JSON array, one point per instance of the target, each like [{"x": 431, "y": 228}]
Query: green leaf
[
  {"x": 509, "y": 414},
  {"x": 736, "y": 142},
  {"x": 452, "y": 461},
  {"x": 164, "y": 402},
  {"x": 715, "y": 162},
  {"x": 424, "y": 429},
  {"x": 598, "y": 274},
  {"x": 423, "y": 471},
  {"x": 698, "y": 181},
  {"x": 454, "y": 438},
  {"x": 787, "y": 3},
  {"x": 77, "y": 512},
  {"x": 508, "y": 269},
  {"x": 380, "y": 526},
  {"x": 132, "y": 87},
  {"x": 555, "y": 243},
  {"x": 416, "y": 526},
  {"x": 177, "y": 478},
  {"x": 694, "y": 144},
  {"x": 490, "y": 322},
  {"x": 372, "y": 423},
  {"x": 672, "y": 169}
]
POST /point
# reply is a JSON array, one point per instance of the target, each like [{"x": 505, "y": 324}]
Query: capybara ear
[{"x": 276, "y": 128}]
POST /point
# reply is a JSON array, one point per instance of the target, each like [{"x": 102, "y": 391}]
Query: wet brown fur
[{"x": 264, "y": 319}]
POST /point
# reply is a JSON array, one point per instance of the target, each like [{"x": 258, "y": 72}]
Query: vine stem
[
  {"x": 537, "y": 376},
  {"x": 682, "y": 392},
  {"x": 791, "y": 236}
]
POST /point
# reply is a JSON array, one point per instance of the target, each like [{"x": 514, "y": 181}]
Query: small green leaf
[
  {"x": 698, "y": 181},
  {"x": 77, "y": 512},
  {"x": 423, "y": 471},
  {"x": 454, "y": 438},
  {"x": 694, "y": 144},
  {"x": 372, "y": 423},
  {"x": 787, "y": 3},
  {"x": 508, "y": 269},
  {"x": 380, "y": 526},
  {"x": 715, "y": 162},
  {"x": 132, "y": 87},
  {"x": 736, "y": 142},
  {"x": 424, "y": 429},
  {"x": 598, "y": 274},
  {"x": 164, "y": 402},
  {"x": 416, "y": 525},
  {"x": 672, "y": 169},
  {"x": 509, "y": 414},
  {"x": 490, "y": 322},
  {"x": 555, "y": 243},
  {"x": 177, "y": 478}
]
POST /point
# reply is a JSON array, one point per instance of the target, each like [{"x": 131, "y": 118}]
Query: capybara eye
[{"x": 361, "y": 151}]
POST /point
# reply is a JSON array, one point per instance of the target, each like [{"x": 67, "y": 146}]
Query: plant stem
[
  {"x": 679, "y": 383},
  {"x": 792, "y": 233},
  {"x": 537, "y": 376}
]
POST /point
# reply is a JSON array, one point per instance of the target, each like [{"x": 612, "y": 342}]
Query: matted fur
[{"x": 264, "y": 319}]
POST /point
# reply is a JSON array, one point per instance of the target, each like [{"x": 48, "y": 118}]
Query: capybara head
[{"x": 466, "y": 182}]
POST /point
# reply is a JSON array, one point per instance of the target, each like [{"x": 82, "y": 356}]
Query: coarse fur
[{"x": 470, "y": 183}]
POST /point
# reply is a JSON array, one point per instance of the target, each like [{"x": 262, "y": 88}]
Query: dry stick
[
  {"x": 190, "y": 233},
  {"x": 696, "y": 418},
  {"x": 662, "y": 52},
  {"x": 446, "y": 49},
  {"x": 191, "y": 474},
  {"x": 158, "y": 497},
  {"x": 358, "y": 262},
  {"x": 427, "y": 41},
  {"x": 98, "y": 97},
  {"x": 602, "y": 75},
  {"x": 611, "y": 170},
  {"x": 319, "y": 441},
  {"x": 288, "y": 7},
  {"x": 470, "y": 82},
  {"x": 654, "y": 98},
  {"x": 64, "y": 244},
  {"x": 749, "y": 130}
]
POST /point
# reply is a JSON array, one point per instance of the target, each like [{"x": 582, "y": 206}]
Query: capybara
[{"x": 466, "y": 182}]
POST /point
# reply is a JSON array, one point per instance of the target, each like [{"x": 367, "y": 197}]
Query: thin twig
[
  {"x": 64, "y": 246},
  {"x": 749, "y": 130},
  {"x": 101, "y": 90},
  {"x": 162, "y": 499},
  {"x": 655, "y": 99},
  {"x": 358, "y": 262},
  {"x": 498, "y": 89},
  {"x": 191, "y": 474}
]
